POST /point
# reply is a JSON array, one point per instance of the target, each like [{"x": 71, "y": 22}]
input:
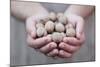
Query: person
[{"x": 31, "y": 12}]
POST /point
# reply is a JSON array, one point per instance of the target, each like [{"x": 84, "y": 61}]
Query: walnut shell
[
  {"x": 70, "y": 32},
  {"x": 52, "y": 16},
  {"x": 59, "y": 27},
  {"x": 41, "y": 31},
  {"x": 63, "y": 19},
  {"x": 63, "y": 34},
  {"x": 69, "y": 25},
  {"x": 49, "y": 26},
  {"x": 39, "y": 25},
  {"x": 57, "y": 37}
]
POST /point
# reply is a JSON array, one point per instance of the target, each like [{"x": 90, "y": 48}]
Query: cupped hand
[
  {"x": 43, "y": 44},
  {"x": 71, "y": 44}
]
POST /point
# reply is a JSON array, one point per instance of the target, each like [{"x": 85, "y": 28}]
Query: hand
[
  {"x": 71, "y": 44},
  {"x": 44, "y": 44}
]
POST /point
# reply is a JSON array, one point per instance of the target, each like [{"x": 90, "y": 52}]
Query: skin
[{"x": 74, "y": 15}]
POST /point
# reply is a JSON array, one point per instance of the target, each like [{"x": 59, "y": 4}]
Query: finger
[
  {"x": 68, "y": 48},
  {"x": 74, "y": 41},
  {"x": 79, "y": 27},
  {"x": 71, "y": 40},
  {"x": 53, "y": 53},
  {"x": 64, "y": 54},
  {"x": 47, "y": 48},
  {"x": 38, "y": 43},
  {"x": 30, "y": 26},
  {"x": 29, "y": 40}
]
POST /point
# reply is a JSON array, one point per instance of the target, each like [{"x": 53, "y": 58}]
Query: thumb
[
  {"x": 78, "y": 35},
  {"x": 33, "y": 34},
  {"x": 79, "y": 27},
  {"x": 30, "y": 27}
]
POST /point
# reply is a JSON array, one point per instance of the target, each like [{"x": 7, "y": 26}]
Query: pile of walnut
[{"x": 56, "y": 25}]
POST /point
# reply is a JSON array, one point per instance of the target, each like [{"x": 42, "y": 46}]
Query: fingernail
[
  {"x": 62, "y": 46},
  {"x": 61, "y": 52}
]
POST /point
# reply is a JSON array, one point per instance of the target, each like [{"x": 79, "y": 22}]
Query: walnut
[
  {"x": 39, "y": 25},
  {"x": 49, "y": 26},
  {"x": 59, "y": 27},
  {"x": 63, "y": 34},
  {"x": 70, "y": 32},
  {"x": 52, "y": 16},
  {"x": 41, "y": 31},
  {"x": 69, "y": 25},
  {"x": 63, "y": 19},
  {"x": 57, "y": 37}
]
